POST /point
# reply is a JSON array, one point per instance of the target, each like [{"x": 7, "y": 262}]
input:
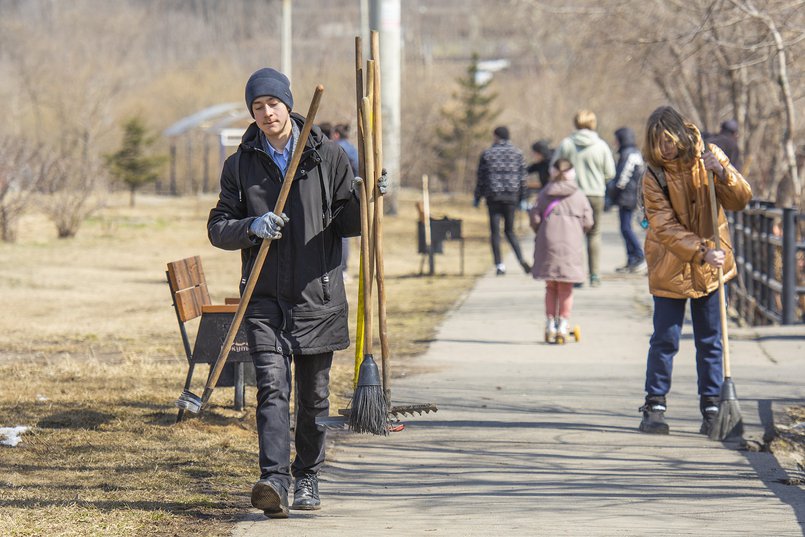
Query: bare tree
[
  {"x": 21, "y": 174},
  {"x": 71, "y": 189},
  {"x": 780, "y": 47},
  {"x": 720, "y": 59}
]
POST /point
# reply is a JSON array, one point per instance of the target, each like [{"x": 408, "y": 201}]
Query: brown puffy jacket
[{"x": 680, "y": 226}]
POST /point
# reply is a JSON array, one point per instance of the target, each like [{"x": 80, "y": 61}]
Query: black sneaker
[
  {"x": 653, "y": 421},
  {"x": 709, "y": 419},
  {"x": 526, "y": 267},
  {"x": 306, "y": 493},
  {"x": 270, "y": 496}
]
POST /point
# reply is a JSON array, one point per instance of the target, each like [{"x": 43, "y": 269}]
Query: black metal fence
[{"x": 770, "y": 254}]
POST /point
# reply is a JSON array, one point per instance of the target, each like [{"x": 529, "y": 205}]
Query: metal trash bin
[{"x": 441, "y": 229}]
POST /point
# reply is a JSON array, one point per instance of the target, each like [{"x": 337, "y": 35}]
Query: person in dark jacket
[
  {"x": 341, "y": 137},
  {"x": 298, "y": 310},
  {"x": 623, "y": 193},
  {"x": 541, "y": 166},
  {"x": 727, "y": 141},
  {"x": 501, "y": 180}
]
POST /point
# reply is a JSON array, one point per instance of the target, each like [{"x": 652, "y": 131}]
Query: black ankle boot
[
  {"x": 306, "y": 494},
  {"x": 709, "y": 408},
  {"x": 653, "y": 421}
]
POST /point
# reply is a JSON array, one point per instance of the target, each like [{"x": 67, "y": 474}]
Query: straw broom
[
  {"x": 369, "y": 412},
  {"x": 729, "y": 422}
]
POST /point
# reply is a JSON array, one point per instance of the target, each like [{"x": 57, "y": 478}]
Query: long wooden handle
[
  {"x": 722, "y": 303},
  {"x": 366, "y": 234},
  {"x": 359, "y": 328},
  {"x": 220, "y": 362},
  {"x": 380, "y": 272}
]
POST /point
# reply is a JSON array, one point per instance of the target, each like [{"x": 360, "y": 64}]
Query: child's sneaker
[
  {"x": 550, "y": 330},
  {"x": 561, "y": 330}
]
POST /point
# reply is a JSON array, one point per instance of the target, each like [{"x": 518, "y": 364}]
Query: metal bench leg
[
  {"x": 180, "y": 415},
  {"x": 240, "y": 386}
]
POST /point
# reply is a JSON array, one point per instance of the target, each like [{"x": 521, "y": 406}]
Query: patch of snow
[{"x": 11, "y": 436}]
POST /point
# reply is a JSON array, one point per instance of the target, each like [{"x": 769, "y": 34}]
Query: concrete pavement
[{"x": 537, "y": 439}]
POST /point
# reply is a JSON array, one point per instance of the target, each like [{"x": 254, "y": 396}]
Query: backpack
[{"x": 640, "y": 211}]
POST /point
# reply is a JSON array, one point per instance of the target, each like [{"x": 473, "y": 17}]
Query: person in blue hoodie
[{"x": 623, "y": 194}]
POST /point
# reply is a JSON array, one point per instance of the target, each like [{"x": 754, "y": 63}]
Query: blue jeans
[
  {"x": 669, "y": 313},
  {"x": 273, "y": 372},
  {"x": 634, "y": 252}
]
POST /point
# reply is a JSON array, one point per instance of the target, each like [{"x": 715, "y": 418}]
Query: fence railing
[{"x": 770, "y": 256}]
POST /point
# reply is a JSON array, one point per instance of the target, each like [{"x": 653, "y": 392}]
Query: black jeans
[
  {"x": 273, "y": 412},
  {"x": 506, "y": 211}
]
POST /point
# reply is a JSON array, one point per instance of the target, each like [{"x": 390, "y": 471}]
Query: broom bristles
[
  {"x": 729, "y": 422},
  {"x": 369, "y": 413},
  {"x": 369, "y": 409}
]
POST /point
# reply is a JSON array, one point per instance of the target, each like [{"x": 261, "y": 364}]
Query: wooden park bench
[{"x": 191, "y": 299}]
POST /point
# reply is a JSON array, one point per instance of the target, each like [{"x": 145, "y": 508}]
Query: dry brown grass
[{"x": 91, "y": 360}]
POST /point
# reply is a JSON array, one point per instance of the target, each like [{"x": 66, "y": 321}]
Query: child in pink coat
[{"x": 561, "y": 218}]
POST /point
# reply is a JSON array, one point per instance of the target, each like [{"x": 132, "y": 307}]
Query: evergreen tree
[
  {"x": 130, "y": 163},
  {"x": 465, "y": 128}
]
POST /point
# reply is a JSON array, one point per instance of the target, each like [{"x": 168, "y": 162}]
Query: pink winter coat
[{"x": 559, "y": 245}]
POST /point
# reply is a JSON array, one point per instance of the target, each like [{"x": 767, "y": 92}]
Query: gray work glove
[
  {"x": 268, "y": 226},
  {"x": 356, "y": 182},
  {"x": 383, "y": 183}
]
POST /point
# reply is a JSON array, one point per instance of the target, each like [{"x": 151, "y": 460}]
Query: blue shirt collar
[{"x": 281, "y": 158}]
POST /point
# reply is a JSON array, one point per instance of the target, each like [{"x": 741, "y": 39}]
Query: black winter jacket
[
  {"x": 501, "y": 174},
  {"x": 298, "y": 304},
  {"x": 629, "y": 170}
]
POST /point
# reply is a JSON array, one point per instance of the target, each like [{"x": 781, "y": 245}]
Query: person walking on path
[
  {"x": 541, "y": 166},
  {"x": 502, "y": 181},
  {"x": 727, "y": 141},
  {"x": 560, "y": 218},
  {"x": 623, "y": 193},
  {"x": 594, "y": 164},
  {"x": 340, "y": 135},
  {"x": 682, "y": 261},
  {"x": 298, "y": 311}
]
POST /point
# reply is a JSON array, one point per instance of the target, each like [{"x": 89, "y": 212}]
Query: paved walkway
[{"x": 532, "y": 439}]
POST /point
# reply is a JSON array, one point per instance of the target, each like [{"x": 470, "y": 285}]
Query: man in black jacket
[
  {"x": 502, "y": 181},
  {"x": 622, "y": 191},
  {"x": 298, "y": 309}
]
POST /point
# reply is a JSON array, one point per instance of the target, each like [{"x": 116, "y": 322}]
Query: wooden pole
[
  {"x": 359, "y": 327},
  {"x": 377, "y": 130}
]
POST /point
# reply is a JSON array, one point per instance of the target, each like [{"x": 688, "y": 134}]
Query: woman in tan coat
[{"x": 682, "y": 259}]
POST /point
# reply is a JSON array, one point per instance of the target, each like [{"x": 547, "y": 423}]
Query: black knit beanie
[{"x": 268, "y": 81}]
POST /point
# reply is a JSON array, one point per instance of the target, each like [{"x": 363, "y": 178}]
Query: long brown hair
[{"x": 665, "y": 120}]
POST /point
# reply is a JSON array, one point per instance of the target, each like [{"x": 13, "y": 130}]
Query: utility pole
[
  {"x": 385, "y": 17},
  {"x": 286, "y": 39}
]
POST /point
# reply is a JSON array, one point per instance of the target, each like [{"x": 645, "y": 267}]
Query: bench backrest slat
[{"x": 189, "y": 287}]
